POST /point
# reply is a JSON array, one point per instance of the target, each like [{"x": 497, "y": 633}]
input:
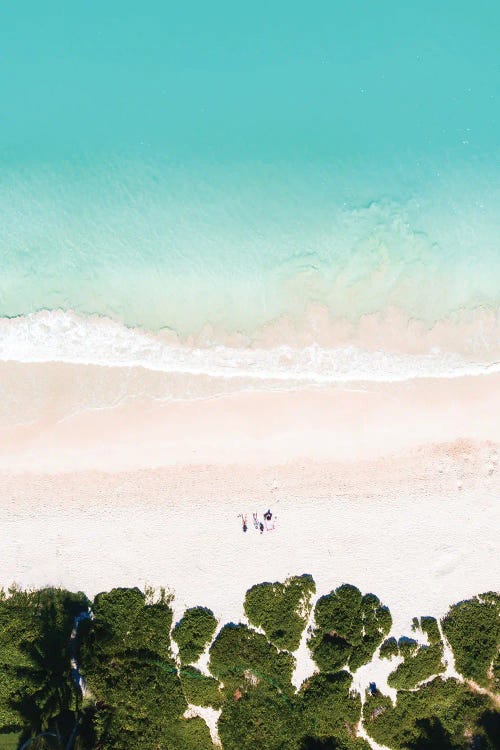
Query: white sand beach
[
  {"x": 399, "y": 528},
  {"x": 63, "y": 417},
  {"x": 391, "y": 487}
]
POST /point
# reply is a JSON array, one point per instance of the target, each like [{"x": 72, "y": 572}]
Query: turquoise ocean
[{"x": 191, "y": 167}]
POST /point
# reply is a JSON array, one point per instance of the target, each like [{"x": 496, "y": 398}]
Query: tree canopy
[
  {"x": 139, "y": 694},
  {"x": 281, "y": 609},
  {"x": 349, "y": 627}
]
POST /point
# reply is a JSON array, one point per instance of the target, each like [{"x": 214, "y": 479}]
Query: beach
[
  {"x": 391, "y": 487},
  {"x": 249, "y": 330},
  {"x": 63, "y": 417}
]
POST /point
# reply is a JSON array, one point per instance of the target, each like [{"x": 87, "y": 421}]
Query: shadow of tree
[
  {"x": 49, "y": 701},
  {"x": 315, "y": 743},
  {"x": 490, "y": 722},
  {"x": 433, "y": 736}
]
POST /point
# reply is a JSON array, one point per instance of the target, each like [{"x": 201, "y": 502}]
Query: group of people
[{"x": 266, "y": 524}]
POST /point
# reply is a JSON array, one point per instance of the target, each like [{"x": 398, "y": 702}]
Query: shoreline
[{"x": 468, "y": 337}]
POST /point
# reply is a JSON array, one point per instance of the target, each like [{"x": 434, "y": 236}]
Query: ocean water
[{"x": 208, "y": 172}]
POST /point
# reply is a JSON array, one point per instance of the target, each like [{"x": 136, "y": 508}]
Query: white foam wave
[{"x": 59, "y": 336}]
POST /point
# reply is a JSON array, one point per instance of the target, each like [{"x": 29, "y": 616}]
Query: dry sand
[{"x": 261, "y": 428}]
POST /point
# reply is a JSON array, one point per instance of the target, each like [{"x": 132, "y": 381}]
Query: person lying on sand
[
  {"x": 255, "y": 521},
  {"x": 244, "y": 521}
]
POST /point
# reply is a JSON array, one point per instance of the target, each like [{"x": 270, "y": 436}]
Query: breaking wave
[{"x": 59, "y": 336}]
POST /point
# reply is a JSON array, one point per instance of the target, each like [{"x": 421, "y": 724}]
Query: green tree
[
  {"x": 281, "y": 609},
  {"x": 328, "y": 709},
  {"x": 130, "y": 671},
  {"x": 240, "y": 656},
  {"x": 260, "y": 717},
  {"x": 417, "y": 666},
  {"x": 472, "y": 628},
  {"x": 200, "y": 689},
  {"x": 420, "y": 662},
  {"x": 37, "y": 694},
  {"x": 430, "y": 627},
  {"x": 389, "y": 648},
  {"x": 349, "y": 627},
  {"x": 193, "y": 632},
  {"x": 443, "y": 710}
]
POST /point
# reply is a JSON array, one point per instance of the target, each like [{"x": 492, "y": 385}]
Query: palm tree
[{"x": 51, "y": 702}]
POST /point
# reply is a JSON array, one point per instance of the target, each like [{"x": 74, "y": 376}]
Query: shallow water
[{"x": 195, "y": 171}]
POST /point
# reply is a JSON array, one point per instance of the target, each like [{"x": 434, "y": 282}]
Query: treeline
[{"x": 140, "y": 673}]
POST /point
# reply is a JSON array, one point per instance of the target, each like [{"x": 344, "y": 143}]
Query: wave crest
[{"x": 60, "y": 336}]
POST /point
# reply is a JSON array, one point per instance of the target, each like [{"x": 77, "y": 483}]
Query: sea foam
[{"x": 60, "y": 336}]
